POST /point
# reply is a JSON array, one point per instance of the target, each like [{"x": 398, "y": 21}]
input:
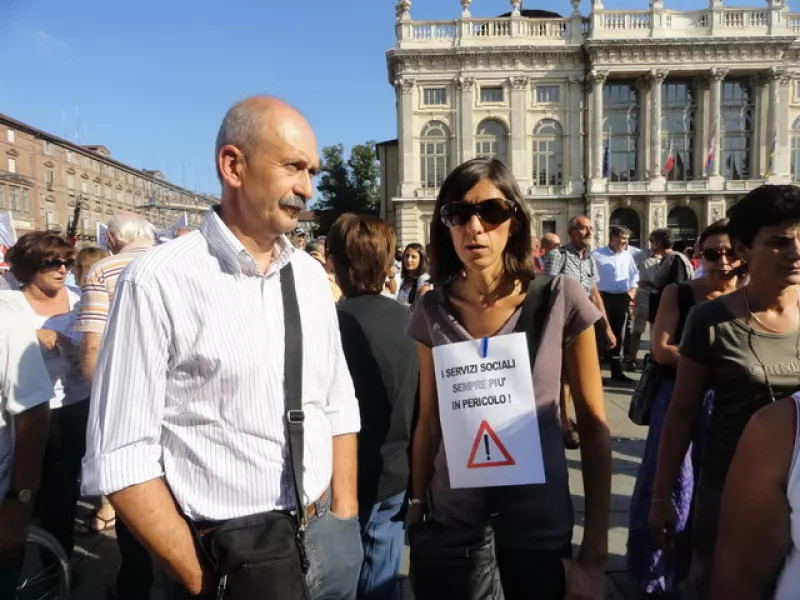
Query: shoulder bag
[{"x": 263, "y": 555}]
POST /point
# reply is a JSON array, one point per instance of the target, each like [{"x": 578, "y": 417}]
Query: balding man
[
  {"x": 550, "y": 241},
  {"x": 129, "y": 236},
  {"x": 223, "y": 359}
]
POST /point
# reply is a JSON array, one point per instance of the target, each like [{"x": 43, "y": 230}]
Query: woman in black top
[
  {"x": 383, "y": 365},
  {"x": 654, "y": 571}
]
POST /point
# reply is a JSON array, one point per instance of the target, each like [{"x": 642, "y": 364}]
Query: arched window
[
  {"x": 491, "y": 140},
  {"x": 548, "y": 153},
  {"x": 794, "y": 164},
  {"x": 434, "y": 154}
]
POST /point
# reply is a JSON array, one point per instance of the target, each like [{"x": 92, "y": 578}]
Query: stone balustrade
[{"x": 601, "y": 25}]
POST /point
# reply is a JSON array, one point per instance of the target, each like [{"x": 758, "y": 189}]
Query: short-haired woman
[
  {"x": 40, "y": 261},
  {"x": 477, "y": 541},
  {"x": 745, "y": 347},
  {"x": 383, "y": 365},
  {"x": 655, "y": 571}
]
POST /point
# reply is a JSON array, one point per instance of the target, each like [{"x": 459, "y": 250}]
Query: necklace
[{"x": 753, "y": 334}]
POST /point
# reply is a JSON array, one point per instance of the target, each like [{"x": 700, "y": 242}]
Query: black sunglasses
[
  {"x": 713, "y": 255},
  {"x": 493, "y": 211},
  {"x": 56, "y": 263}
]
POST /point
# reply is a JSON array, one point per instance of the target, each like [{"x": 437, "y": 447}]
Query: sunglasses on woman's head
[
  {"x": 56, "y": 263},
  {"x": 713, "y": 255},
  {"x": 494, "y": 212}
]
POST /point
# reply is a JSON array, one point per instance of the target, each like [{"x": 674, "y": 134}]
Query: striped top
[
  {"x": 788, "y": 587},
  {"x": 189, "y": 382},
  {"x": 98, "y": 287}
]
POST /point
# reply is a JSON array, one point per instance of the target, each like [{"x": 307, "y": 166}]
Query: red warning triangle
[{"x": 482, "y": 439}]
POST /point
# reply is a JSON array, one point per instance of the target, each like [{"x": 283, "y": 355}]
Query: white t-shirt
[
  {"x": 24, "y": 382},
  {"x": 62, "y": 361}
]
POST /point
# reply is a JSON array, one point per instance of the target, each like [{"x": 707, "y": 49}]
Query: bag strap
[
  {"x": 535, "y": 308},
  {"x": 293, "y": 385}
]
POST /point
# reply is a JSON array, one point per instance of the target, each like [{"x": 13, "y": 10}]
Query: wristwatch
[{"x": 22, "y": 496}]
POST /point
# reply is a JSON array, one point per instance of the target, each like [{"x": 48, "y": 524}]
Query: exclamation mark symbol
[{"x": 486, "y": 445}]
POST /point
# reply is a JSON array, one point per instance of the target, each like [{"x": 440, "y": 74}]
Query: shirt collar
[
  {"x": 137, "y": 246},
  {"x": 570, "y": 247},
  {"x": 233, "y": 256}
]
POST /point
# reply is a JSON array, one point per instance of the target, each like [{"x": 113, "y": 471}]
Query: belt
[{"x": 205, "y": 527}]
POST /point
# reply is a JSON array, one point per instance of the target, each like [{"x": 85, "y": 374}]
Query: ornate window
[
  {"x": 621, "y": 129},
  {"x": 491, "y": 140},
  {"x": 548, "y": 153},
  {"x": 678, "y": 131},
  {"x": 434, "y": 154},
  {"x": 794, "y": 157},
  {"x": 737, "y": 129}
]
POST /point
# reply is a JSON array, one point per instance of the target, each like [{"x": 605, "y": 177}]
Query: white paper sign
[
  {"x": 8, "y": 235},
  {"x": 102, "y": 236},
  {"x": 488, "y": 413}
]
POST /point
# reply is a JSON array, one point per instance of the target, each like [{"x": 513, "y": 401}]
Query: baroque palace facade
[
  {"x": 648, "y": 118},
  {"x": 42, "y": 177}
]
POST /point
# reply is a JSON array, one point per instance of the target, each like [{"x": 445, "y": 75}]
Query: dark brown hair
[
  {"x": 765, "y": 206},
  {"x": 32, "y": 249},
  {"x": 517, "y": 257},
  {"x": 414, "y": 275},
  {"x": 716, "y": 228},
  {"x": 362, "y": 250}
]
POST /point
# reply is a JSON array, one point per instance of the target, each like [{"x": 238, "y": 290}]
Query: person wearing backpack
[{"x": 503, "y": 540}]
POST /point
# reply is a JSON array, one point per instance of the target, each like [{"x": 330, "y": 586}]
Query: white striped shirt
[{"x": 189, "y": 382}]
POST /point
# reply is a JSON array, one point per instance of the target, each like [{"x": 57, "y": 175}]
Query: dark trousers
[
  {"x": 9, "y": 575},
  {"x": 56, "y": 501},
  {"x": 135, "y": 578},
  {"x": 383, "y": 535},
  {"x": 617, "y": 308},
  {"x": 467, "y": 565}
]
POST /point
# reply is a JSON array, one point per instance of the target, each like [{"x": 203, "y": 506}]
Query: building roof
[
  {"x": 387, "y": 143},
  {"x": 535, "y": 13},
  {"x": 95, "y": 151}
]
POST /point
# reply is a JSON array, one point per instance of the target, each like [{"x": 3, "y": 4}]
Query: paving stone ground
[{"x": 97, "y": 560}]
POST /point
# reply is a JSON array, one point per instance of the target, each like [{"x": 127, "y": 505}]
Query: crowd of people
[{"x": 260, "y": 413}]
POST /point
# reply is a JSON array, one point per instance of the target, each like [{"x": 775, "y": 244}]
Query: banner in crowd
[
  {"x": 168, "y": 233},
  {"x": 102, "y": 236},
  {"x": 8, "y": 235}
]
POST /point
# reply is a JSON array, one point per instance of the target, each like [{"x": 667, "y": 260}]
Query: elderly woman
[
  {"x": 655, "y": 571},
  {"x": 40, "y": 262},
  {"x": 743, "y": 346},
  {"x": 476, "y": 541},
  {"x": 383, "y": 365}
]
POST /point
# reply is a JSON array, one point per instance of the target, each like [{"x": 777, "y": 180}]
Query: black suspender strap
[{"x": 293, "y": 386}]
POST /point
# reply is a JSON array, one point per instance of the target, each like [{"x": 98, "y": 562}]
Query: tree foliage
[{"x": 347, "y": 186}]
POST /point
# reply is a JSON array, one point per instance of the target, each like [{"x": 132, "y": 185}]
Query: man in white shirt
[
  {"x": 188, "y": 419},
  {"x": 25, "y": 393},
  {"x": 617, "y": 280}
]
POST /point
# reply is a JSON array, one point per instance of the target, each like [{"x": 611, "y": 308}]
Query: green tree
[{"x": 347, "y": 186}]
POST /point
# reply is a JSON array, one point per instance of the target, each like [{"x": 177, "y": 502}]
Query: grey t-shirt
[
  {"x": 736, "y": 357},
  {"x": 539, "y": 516}
]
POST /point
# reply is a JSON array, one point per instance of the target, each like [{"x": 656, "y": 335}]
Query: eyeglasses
[
  {"x": 493, "y": 212},
  {"x": 713, "y": 255},
  {"x": 51, "y": 264}
]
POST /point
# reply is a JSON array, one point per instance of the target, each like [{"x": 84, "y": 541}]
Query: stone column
[
  {"x": 406, "y": 87},
  {"x": 717, "y": 75},
  {"x": 759, "y": 135},
  {"x": 519, "y": 132},
  {"x": 656, "y": 167},
  {"x": 466, "y": 88},
  {"x": 775, "y": 75},
  {"x": 598, "y": 79},
  {"x": 574, "y": 140}
]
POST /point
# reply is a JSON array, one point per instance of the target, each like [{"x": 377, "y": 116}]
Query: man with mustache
[
  {"x": 190, "y": 423},
  {"x": 574, "y": 260}
]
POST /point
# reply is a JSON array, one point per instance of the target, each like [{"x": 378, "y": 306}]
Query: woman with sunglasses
[
  {"x": 743, "y": 346},
  {"x": 40, "y": 261},
  {"x": 505, "y": 541},
  {"x": 658, "y": 573}
]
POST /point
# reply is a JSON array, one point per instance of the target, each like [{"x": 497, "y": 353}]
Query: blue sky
[{"x": 152, "y": 79}]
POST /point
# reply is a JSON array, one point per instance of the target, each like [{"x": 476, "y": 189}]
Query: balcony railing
[
  {"x": 478, "y": 32},
  {"x": 601, "y": 24}
]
